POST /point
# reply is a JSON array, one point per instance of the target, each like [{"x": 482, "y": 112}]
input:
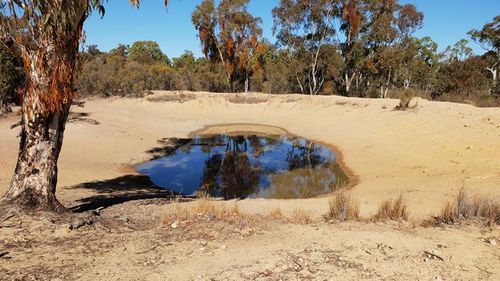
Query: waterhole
[{"x": 248, "y": 166}]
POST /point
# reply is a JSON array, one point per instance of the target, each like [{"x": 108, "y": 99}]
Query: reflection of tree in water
[
  {"x": 309, "y": 173},
  {"x": 301, "y": 183},
  {"x": 304, "y": 154},
  {"x": 231, "y": 174},
  {"x": 233, "y": 168}
]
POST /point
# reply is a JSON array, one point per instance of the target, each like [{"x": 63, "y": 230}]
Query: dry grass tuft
[
  {"x": 204, "y": 210},
  {"x": 275, "y": 214},
  {"x": 343, "y": 208},
  {"x": 405, "y": 99},
  {"x": 297, "y": 216},
  {"x": 300, "y": 216},
  {"x": 395, "y": 210},
  {"x": 468, "y": 207}
]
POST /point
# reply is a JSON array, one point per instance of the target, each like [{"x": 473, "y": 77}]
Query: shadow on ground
[
  {"x": 120, "y": 190},
  {"x": 82, "y": 117},
  {"x": 130, "y": 187}
]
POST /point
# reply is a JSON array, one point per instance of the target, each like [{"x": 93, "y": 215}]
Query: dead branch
[
  {"x": 483, "y": 270},
  {"x": 433, "y": 255},
  {"x": 8, "y": 217},
  {"x": 81, "y": 223},
  {"x": 150, "y": 249},
  {"x": 16, "y": 125}
]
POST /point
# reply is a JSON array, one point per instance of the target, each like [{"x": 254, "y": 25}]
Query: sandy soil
[{"x": 426, "y": 154}]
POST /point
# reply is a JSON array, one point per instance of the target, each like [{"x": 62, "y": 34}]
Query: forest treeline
[{"x": 353, "y": 48}]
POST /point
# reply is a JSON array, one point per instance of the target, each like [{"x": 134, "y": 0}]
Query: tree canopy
[{"x": 229, "y": 34}]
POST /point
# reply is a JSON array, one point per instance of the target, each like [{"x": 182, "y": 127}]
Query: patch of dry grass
[
  {"x": 275, "y": 214},
  {"x": 395, "y": 210},
  {"x": 172, "y": 97},
  {"x": 297, "y": 216},
  {"x": 300, "y": 216},
  {"x": 245, "y": 99},
  {"x": 207, "y": 210},
  {"x": 405, "y": 99},
  {"x": 343, "y": 208},
  {"x": 468, "y": 207},
  {"x": 203, "y": 210}
]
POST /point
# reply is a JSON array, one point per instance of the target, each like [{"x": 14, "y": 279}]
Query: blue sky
[{"x": 446, "y": 21}]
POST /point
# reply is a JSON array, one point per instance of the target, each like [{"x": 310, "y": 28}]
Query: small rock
[
  {"x": 438, "y": 278},
  {"x": 493, "y": 242},
  {"x": 224, "y": 247},
  {"x": 175, "y": 224}
]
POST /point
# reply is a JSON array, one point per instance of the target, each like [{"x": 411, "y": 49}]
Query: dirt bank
[{"x": 427, "y": 153}]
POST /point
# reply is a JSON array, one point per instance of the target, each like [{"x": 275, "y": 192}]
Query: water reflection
[{"x": 247, "y": 167}]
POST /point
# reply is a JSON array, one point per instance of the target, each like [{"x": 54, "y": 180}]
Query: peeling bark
[{"x": 34, "y": 182}]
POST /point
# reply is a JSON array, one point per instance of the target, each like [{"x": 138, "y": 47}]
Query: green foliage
[
  {"x": 356, "y": 48},
  {"x": 185, "y": 61},
  {"x": 147, "y": 52},
  {"x": 303, "y": 28},
  {"x": 462, "y": 78},
  {"x": 11, "y": 76},
  {"x": 489, "y": 38},
  {"x": 277, "y": 73},
  {"x": 459, "y": 51},
  {"x": 117, "y": 74},
  {"x": 489, "y": 35}
]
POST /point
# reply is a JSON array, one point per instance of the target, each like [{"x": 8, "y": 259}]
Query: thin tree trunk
[
  {"x": 247, "y": 84},
  {"x": 383, "y": 92},
  {"x": 300, "y": 84},
  {"x": 348, "y": 82},
  {"x": 231, "y": 85},
  {"x": 494, "y": 74}
]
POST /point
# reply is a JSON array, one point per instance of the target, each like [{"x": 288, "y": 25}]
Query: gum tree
[
  {"x": 304, "y": 27},
  {"x": 229, "y": 34},
  {"x": 489, "y": 39},
  {"x": 46, "y": 36}
]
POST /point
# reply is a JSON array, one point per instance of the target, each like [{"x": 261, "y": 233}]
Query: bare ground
[{"x": 128, "y": 242}]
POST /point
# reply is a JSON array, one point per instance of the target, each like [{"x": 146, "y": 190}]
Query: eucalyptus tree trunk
[
  {"x": 348, "y": 82},
  {"x": 45, "y": 108},
  {"x": 247, "y": 82},
  {"x": 494, "y": 74}
]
